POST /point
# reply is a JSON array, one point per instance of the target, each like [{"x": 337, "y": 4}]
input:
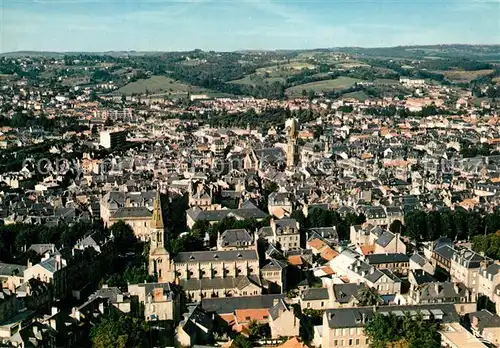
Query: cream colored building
[
  {"x": 344, "y": 327},
  {"x": 161, "y": 301},
  {"x": 465, "y": 267},
  {"x": 489, "y": 283},
  {"x": 282, "y": 321}
]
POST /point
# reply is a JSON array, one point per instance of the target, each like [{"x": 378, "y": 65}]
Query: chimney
[
  {"x": 30, "y": 264},
  {"x": 54, "y": 310},
  {"x": 35, "y": 329}
]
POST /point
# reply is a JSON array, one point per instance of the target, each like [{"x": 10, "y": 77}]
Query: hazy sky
[{"x": 163, "y": 25}]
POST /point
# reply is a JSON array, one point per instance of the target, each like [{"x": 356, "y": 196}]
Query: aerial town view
[{"x": 287, "y": 174}]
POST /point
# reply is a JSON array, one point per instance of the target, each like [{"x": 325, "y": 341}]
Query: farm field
[
  {"x": 464, "y": 76},
  {"x": 254, "y": 80},
  {"x": 359, "y": 95},
  {"x": 337, "y": 84},
  {"x": 156, "y": 84}
]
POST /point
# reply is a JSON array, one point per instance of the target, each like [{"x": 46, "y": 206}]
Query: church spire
[{"x": 157, "y": 218}]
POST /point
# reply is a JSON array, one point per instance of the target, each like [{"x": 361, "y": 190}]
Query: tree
[
  {"x": 124, "y": 234},
  {"x": 310, "y": 95},
  {"x": 368, "y": 296},
  {"x": 381, "y": 330},
  {"x": 256, "y": 330},
  {"x": 241, "y": 341},
  {"x": 416, "y": 332},
  {"x": 397, "y": 227},
  {"x": 120, "y": 331}
]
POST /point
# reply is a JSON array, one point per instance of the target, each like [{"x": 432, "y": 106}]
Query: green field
[
  {"x": 359, "y": 95},
  {"x": 255, "y": 80},
  {"x": 157, "y": 84},
  {"x": 385, "y": 82},
  {"x": 337, "y": 84}
]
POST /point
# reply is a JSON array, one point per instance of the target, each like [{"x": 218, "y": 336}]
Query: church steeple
[
  {"x": 291, "y": 148},
  {"x": 159, "y": 258},
  {"x": 157, "y": 218}
]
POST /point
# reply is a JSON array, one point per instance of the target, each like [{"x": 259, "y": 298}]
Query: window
[
  {"x": 350, "y": 342},
  {"x": 247, "y": 318},
  {"x": 357, "y": 341},
  {"x": 322, "y": 303},
  {"x": 335, "y": 343}
]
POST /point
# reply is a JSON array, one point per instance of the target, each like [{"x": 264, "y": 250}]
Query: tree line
[{"x": 457, "y": 224}]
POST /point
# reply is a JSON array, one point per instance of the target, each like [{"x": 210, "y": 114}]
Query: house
[
  {"x": 344, "y": 327},
  {"x": 418, "y": 261},
  {"x": 122, "y": 301},
  {"x": 196, "y": 327},
  {"x": 488, "y": 281},
  {"x": 197, "y": 289},
  {"x": 349, "y": 264},
  {"x": 11, "y": 275},
  {"x": 439, "y": 292},
  {"x": 280, "y": 204},
  {"x": 282, "y": 321},
  {"x": 442, "y": 255},
  {"x": 315, "y": 298},
  {"x": 397, "y": 262},
  {"x": 273, "y": 274},
  {"x": 486, "y": 325},
  {"x": 389, "y": 242},
  {"x": 465, "y": 268},
  {"x": 161, "y": 301},
  {"x": 235, "y": 239},
  {"x": 284, "y": 233}
]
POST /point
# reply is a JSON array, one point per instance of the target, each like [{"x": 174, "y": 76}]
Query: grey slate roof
[
  {"x": 207, "y": 256},
  {"x": 345, "y": 292},
  {"x": 219, "y": 283},
  {"x": 486, "y": 319},
  {"x": 131, "y": 212},
  {"x": 385, "y": 238},
  {"x": 274, "y": 264},
  {"x": 225, "y": 305},
  {"x": 375, "y": 259},
  {"x": 418, "y": 259},
  {"x": 315, "y": 294},
  {"x": 445, "y": 251},
  {"x": 354, "y": 317},
  {"x": 236, "y": 237},
  {"x": 277, "y": 310},
  {"x": 7, "y": 269}
]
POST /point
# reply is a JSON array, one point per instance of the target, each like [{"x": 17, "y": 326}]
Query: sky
[{"x": 228, "y": 25}]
